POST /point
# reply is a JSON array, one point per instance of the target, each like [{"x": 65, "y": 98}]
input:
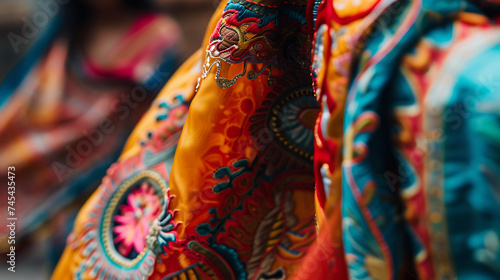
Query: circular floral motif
[
  {"x": 135, "y": 218},
  {"x": 129, "y": 224},
  {"x": 287, "y": 120},
  {"x": 292, "y": 120},
  {"x": 156, "y": 186}
]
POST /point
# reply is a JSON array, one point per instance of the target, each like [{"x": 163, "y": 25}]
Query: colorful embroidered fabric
[
  {"x": 238, "y": 199},
  {"x": 405, "y": 152},
  {"x": 406, "y": 141},
  {"x": 66, "y": 121}
]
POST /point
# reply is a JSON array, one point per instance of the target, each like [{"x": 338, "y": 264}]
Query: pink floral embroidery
[{"x": 136, "y": 216}]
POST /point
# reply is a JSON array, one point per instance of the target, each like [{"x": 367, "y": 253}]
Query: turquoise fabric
[{"x": 468, "y": 155}]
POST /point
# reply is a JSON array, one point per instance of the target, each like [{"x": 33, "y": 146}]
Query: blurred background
[
  {"x": 40, "y": 244},
  {"x": 191, "y": 15}
]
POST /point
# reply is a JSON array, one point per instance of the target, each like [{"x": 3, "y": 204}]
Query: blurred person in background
[{"x": 66, "y": 109}]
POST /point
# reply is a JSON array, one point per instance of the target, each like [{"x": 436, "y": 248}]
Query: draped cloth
[
  {"x": 65, "y": 121},
  {"x": 405, "y": 156},
  {"x": 394, "y": 177},
  {"x": 237, "y": 200}
]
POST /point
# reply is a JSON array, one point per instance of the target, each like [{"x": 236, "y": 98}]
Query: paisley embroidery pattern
[
  {"x": 290, "y": 121},
  {"x": 227, "y": 82},
  {"x": 246, "y": 207},
  {"x": 248, "y": 31},
  {"x": 279, "y": 234},
  {"x": 252, "y": 33}
]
